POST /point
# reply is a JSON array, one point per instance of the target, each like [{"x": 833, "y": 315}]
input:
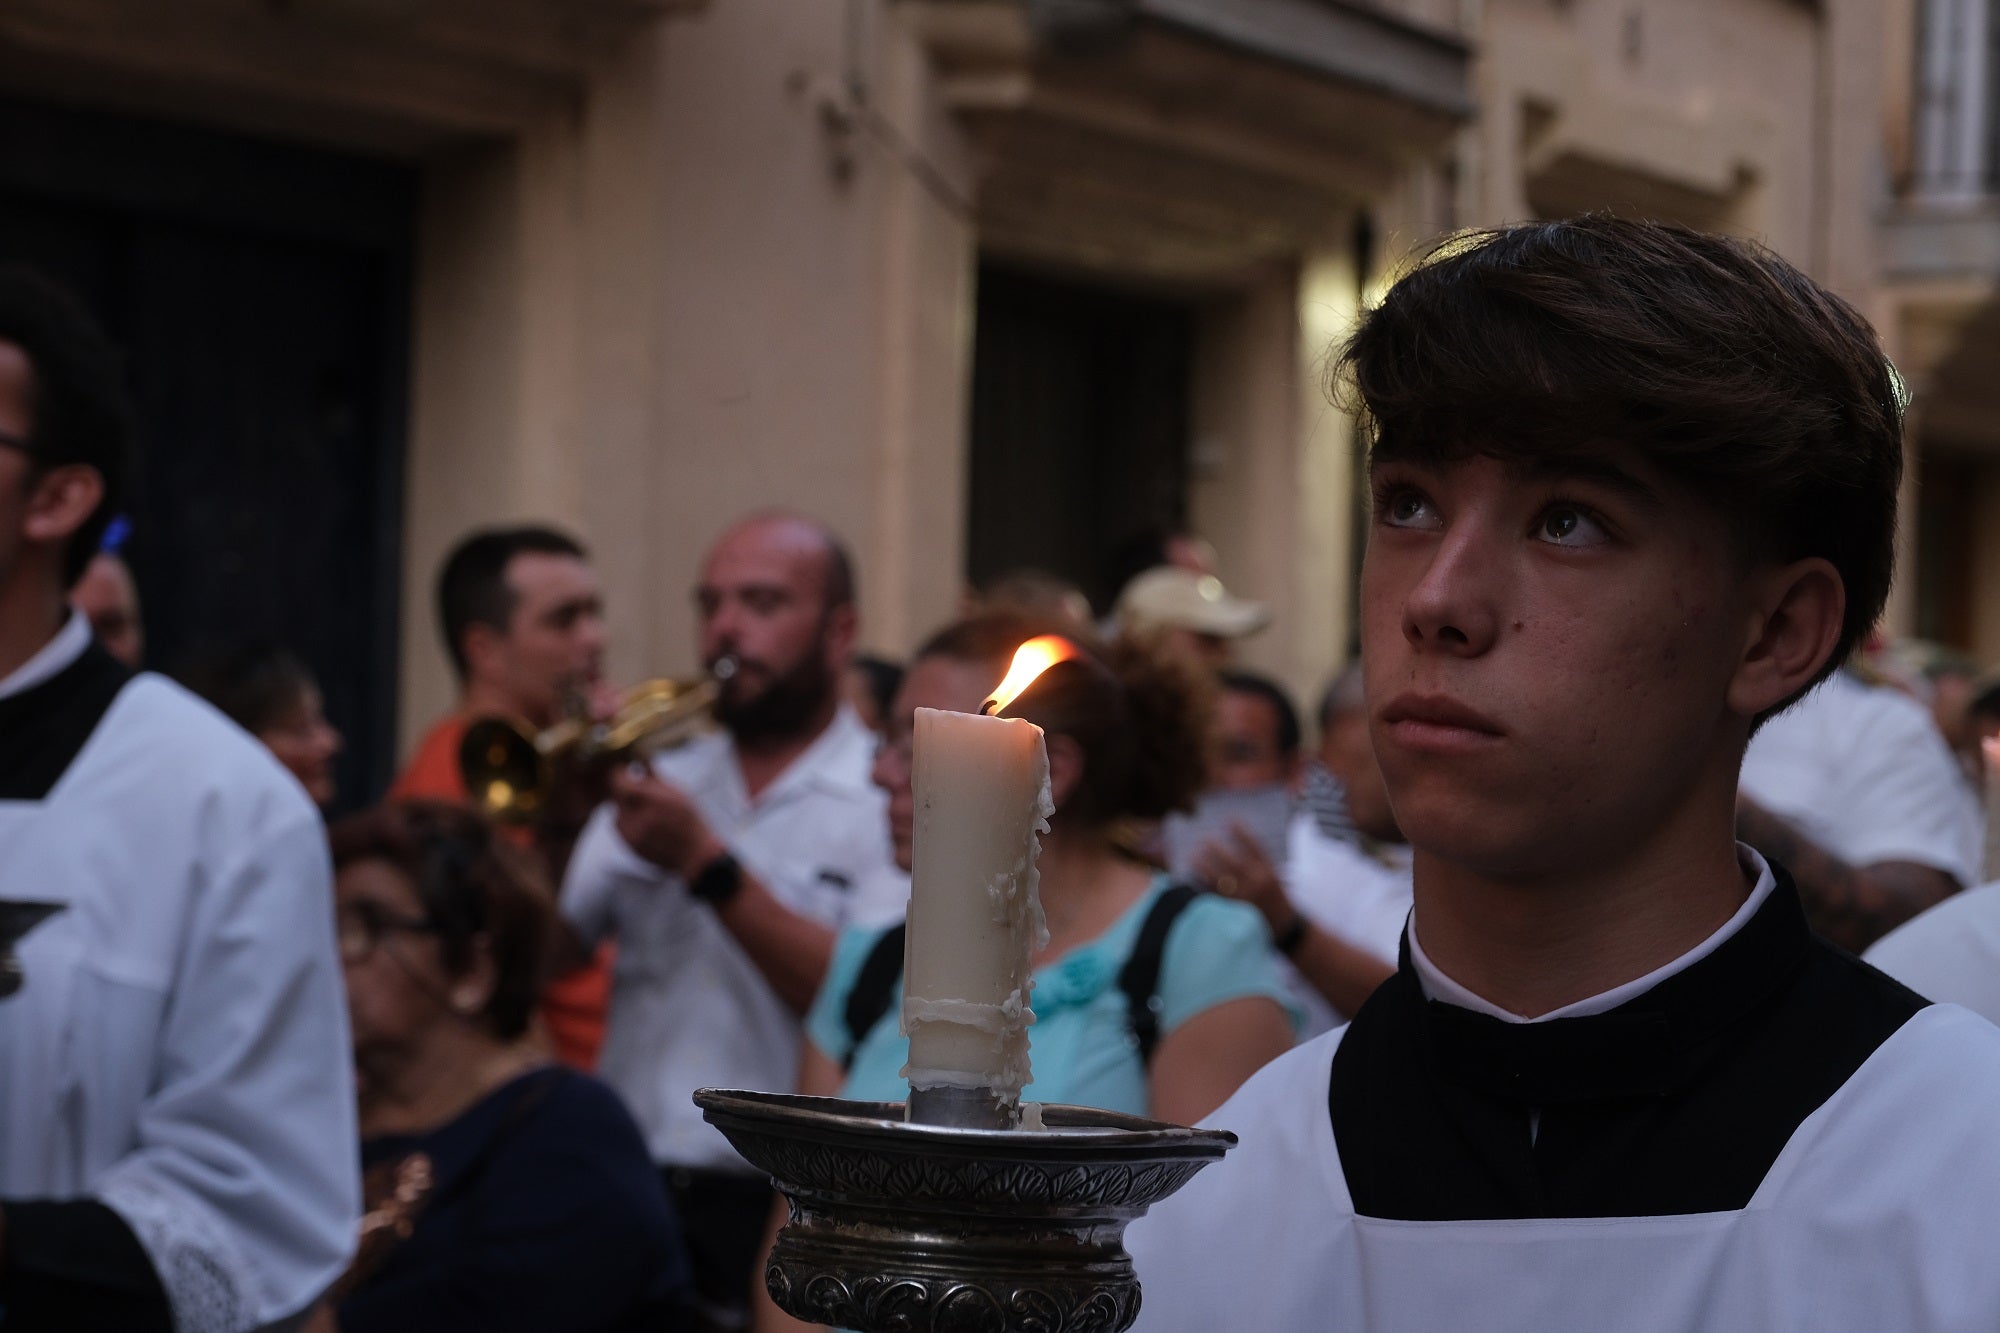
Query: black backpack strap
[
  {"x": 1140, "y": 977},
  {"x": 869, "y": 999}
]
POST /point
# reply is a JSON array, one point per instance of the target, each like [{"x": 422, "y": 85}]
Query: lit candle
[
  {"x": 1990, "y": 869},
  {"x": 982, "y": 797}
]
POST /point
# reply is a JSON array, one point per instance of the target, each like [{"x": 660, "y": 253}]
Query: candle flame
[{"x": 1031, "y": 659}]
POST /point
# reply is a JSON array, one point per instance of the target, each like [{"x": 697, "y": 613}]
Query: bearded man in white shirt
[
  {"x": 725, "y": 872},
  {"x": 176, "y": 1092}
]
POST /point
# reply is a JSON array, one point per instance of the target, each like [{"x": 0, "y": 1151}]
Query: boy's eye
[
  {"x": 1570, "y": 525},
  {"x": 1405, "y": 508}
]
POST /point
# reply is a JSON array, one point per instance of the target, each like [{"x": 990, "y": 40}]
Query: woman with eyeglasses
[{"x": 501, "y": 1191}]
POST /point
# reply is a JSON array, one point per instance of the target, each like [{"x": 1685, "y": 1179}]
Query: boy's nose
[{"x": 1453, "y": 607}]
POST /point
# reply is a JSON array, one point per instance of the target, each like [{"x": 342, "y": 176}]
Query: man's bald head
[
  {"x": 798, "y": 536},
  {"x": 777, "y": 596}
]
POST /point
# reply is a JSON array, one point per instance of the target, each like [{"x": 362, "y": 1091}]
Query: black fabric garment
[
  {"x": 43, "y": 727},
  {"x": 543, "y": 1213},
  {"x": 1677, "y": 1101},
  {"x": 75, "y": 1264},
  {"x": 725, "y": 1213}
]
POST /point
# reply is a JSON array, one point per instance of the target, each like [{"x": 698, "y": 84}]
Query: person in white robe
[
  {"x": 176, "y": 1097},
  {"x": 1950, "y": 953},
  {"x": 1634, "y": 492}
]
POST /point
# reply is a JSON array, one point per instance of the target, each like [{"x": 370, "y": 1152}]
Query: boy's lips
[{"x": 1433, "y": 721}]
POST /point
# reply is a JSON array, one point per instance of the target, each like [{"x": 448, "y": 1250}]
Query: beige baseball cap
[{"x": 1167, "y": 596}]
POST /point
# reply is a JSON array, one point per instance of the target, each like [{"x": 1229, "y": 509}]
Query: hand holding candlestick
[{"x": 947, "y": 1213}]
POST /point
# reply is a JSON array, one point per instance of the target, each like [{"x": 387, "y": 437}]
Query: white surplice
[{"x": 180, "y": 1050}]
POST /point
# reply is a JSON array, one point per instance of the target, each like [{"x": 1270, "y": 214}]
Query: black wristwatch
[
  {"x": 1288, "y": 940},
  {"x": 718, "y": 881}
]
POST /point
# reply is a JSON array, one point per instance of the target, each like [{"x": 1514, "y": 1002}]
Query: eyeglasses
[{"x": 360, "y": 928}]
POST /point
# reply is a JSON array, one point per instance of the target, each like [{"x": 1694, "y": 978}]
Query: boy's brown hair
[{"x": 1723, "y": 364}]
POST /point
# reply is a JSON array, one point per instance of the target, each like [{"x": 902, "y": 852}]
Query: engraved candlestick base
[
  {"x": 18, "y": 916},
  {"x": 902, "y": 1228}
]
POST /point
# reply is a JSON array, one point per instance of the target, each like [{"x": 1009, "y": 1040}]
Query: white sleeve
[
  {"x": 242, "y": 1183},
  {"x": 881, "y": 898},
  {"x": 1950, "y": 953},
  {"x": 1341, "y": 890},
  {"x": 1907, "y": 800},
  {"x": 600, "y": 862}
]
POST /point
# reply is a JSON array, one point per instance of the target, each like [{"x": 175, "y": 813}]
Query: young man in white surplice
[
  {"x": 1634, "y": 492},
  {"x": 176, "y": 1092}
]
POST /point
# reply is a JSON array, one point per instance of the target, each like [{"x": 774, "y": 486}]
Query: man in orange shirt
[{"x": 523, "y": 622}]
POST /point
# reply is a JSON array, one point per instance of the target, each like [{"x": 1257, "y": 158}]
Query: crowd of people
[{"x": 431, "y": 1067}]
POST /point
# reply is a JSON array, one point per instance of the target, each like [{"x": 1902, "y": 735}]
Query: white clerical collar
[
  {"x": 1437, "y": 986},
  {"x": 57, "y": 653}
]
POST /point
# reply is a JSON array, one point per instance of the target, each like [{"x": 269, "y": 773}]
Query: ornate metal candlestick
[
  {"x": 898, "y": 1227},
  {"x": 18, "y": 917}
]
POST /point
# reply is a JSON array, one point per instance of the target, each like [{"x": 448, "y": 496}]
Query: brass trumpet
[{"x": 509, "y": 771}]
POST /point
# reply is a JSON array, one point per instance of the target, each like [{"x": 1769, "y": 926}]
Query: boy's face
[{"x": 1548, "y": 654}]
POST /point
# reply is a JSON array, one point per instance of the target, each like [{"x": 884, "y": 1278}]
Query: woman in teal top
[
  {"x": 1082, "y": 1043},
  {"x": 1125, "y": 732}
]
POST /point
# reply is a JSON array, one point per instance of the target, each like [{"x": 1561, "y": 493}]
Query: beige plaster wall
[
  {"x": 1706, "y": 110},
  {"x": 739, "y": 272},
  {"x": 1245, "y": 430},
  {"x": 720, "y": 282}
]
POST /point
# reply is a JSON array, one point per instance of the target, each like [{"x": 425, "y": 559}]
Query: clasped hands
[{"x": 1236, "y": 867}]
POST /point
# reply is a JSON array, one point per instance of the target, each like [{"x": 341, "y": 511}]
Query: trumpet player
[
  {"x": 724, "y": 870},
  {"x": 523, "y": 623}
]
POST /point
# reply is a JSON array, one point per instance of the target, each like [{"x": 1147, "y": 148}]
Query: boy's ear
[{"x": 1795, "y": 615}]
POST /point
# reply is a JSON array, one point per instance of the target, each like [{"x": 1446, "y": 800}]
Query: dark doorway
[
  {"x": 261, "y": 295},
  {"x": 1079, "y": 427},
  {"x": 1950, "y": 486}
]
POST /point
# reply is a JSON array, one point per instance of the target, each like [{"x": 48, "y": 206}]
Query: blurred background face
[
  {"x": 1211, "y": 652},
  {"x": 931, "y": 682},
  {"x": 762, "y": 601},
  {"x": 306, "y": 743},
  {"x": 1243, "y": 751},
  {"x": 109, "y": 600},
  {"x": 396, "y": 978},
  {"x": 554, "y": 644},
  {"x": 1349, "y": 754},
  {"x": 16, "y": 468}
]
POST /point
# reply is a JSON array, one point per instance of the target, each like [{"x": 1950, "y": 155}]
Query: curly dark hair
[
  {"x": 1140, "y": 717},
  {"x": 80, "y": 411},
  {"x": 1725, "y": 365},
  {"x": 473, "y": 885}
]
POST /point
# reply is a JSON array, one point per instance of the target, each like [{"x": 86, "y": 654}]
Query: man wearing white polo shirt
[
  {"x": 1855, "y": 792},
  {"x": 724, "y": 873}
]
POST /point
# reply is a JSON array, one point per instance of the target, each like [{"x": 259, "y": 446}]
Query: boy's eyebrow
[{"x": 1593, "y": 471}]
